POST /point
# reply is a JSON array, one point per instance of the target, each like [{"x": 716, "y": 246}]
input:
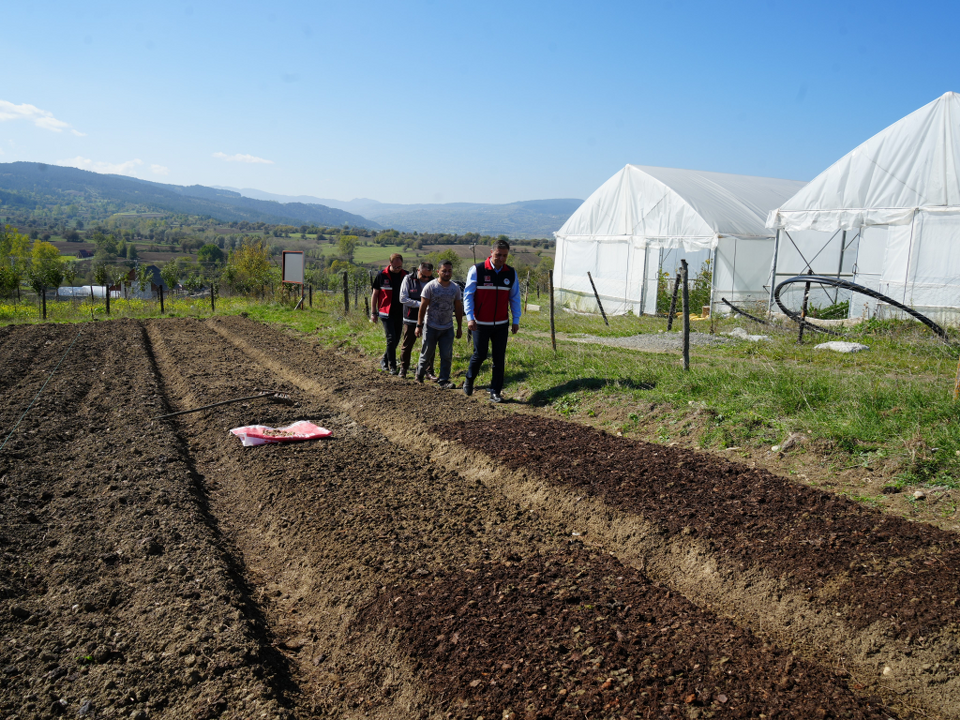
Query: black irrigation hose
[
  {"x": 852, "y": 287},
  {"x": 741, "y": 312}
]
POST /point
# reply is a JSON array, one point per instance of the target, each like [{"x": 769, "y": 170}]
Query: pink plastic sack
[{"x": 261, "y": 434}]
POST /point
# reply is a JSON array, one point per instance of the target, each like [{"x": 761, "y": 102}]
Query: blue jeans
[{"x": 432, "y": 338}]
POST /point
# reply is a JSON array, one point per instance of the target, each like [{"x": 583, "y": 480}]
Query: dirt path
[{"x": 436, "y": 557}]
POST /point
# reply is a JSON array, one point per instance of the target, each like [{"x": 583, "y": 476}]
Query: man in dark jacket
[
  {"x": 410, "y": 291},
  {"x": 385, "y": 303}
]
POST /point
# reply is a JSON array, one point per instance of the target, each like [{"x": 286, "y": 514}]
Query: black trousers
[
  {"x": 484, "y": 336},
  {"x": 392, "y": 328}
]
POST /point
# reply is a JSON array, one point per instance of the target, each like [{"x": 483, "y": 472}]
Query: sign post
[{"x": 291, "y": 268}]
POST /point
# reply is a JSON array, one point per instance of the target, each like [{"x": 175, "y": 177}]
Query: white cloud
[
  {"x": 124, "y": 168},
  {"x": 41, "y": 118},
  {"x": 159, "y": 170},
  {"x": 241, "y": 158}
]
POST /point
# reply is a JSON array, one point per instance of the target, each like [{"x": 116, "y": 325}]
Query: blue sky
[{"x": 431, "y": 101}]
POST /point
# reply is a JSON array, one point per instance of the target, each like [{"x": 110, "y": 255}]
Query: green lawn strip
[
  {"x": 893, "y": 401},
  {"x": 369, "y": 254}
]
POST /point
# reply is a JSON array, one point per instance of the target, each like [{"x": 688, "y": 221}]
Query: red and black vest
[
  {"x": 386, "y": 291},
  {"x": 491, "y": 301},
  {"x": 415, "y": 287}
]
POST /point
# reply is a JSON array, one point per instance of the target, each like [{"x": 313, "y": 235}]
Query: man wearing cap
[
  {"x": 385, "y": 303},
  {"x": 492, "y": 292}
]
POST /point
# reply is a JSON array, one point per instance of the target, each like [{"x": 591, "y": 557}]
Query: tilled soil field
[{"x": 436, "y": 557}]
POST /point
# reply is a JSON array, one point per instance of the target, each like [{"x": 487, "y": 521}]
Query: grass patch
[{"x": 890, "y": 404}]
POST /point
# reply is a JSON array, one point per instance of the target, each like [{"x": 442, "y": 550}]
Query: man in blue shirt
[{"x": 492, "y": 290}]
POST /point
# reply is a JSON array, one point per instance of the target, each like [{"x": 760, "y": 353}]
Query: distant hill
[
  {"x": 26, "y": 184},
  {"x": 532, "y": 218}
]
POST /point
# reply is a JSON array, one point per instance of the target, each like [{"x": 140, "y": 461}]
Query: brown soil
[{"x": 436, "y": 557}]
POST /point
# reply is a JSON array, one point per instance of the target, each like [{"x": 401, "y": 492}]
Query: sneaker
[
  {"x": 418, "y": 377},
  {"x": 468, "y": 387},
  {"x": 495, "y": 397},
  {"x": 431, "y": 376},
  {"x": 447, "y": 385},
  {"x": 394, "y": 370},
  {"x": 384, "y": 366},
  {"x": 403, "y": 373}
]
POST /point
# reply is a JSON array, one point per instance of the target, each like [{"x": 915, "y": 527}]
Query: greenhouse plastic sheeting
[
  {"x": 898, "y": 195},
  {"x": 643, "y": 220}
]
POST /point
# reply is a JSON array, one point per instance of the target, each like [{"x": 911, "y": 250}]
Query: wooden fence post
[
  {"x": 597, "y": 296},
  {"x": 673, "y": 304},
  {"x": 346, "y": 293},
  {"x": 686, "y": 317},
  {"x": 161, "y": 299}
]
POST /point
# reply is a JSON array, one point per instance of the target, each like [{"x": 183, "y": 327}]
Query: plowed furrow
[
  {"x": 881, "y": 655},
  {"x": 109, "y": 563}
]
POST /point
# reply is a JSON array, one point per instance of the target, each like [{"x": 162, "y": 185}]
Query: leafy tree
[
  {"x": 210, "y": 253},
  {"x": 346, "y": 246},
  {"x": 170, "y": 272},
  {"x": 193, "y": 282},
  {"x": 101, "y": 275},
  {"x": 9, "y": 280},
  {"x": 249, "y": 267},
  {"x": 46, "y": 270},
  {"x": 70, "y": 273},
  {"x": 14, "y": 258},
  {"x": 119, "y": 276},
  {"x": 144, "y": 277}
]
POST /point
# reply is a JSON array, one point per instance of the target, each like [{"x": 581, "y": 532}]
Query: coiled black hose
[{"x": 852, "y": 287}]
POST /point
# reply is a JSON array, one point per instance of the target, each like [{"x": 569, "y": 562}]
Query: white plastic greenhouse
[
  {"x": 643, "y": 220},
  {"x": 886, "y": 216}
]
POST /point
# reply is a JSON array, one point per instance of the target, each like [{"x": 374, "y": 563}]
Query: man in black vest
[
  {"x": 410, "y": 290},
  {"x": 385, "y": 303}
]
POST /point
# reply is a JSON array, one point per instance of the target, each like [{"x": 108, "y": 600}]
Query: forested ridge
[{"x": 25, "y": 184}]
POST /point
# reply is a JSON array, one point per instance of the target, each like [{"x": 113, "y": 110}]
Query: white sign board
[{"x": 292, "y": 266}]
